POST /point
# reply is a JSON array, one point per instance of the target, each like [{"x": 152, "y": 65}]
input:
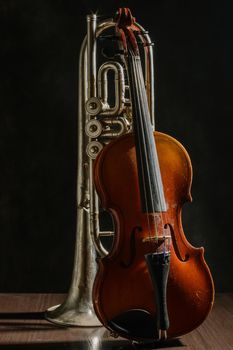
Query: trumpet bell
[{"x": 73, "y": 315}]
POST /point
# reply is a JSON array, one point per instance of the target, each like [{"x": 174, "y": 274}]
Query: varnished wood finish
[
  {"x": 118, "y": 289},
  {"x": 22, "y": 326}
]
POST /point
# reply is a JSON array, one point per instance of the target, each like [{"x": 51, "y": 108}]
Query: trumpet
[{"x": 99, "y": 122}]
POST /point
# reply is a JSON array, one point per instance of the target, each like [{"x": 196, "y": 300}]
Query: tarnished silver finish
[
  {"x": 98, "y": 124},
  {"x": 93, "y": 148},
  {"x": 95, "y": 106},
  {"x": 119, "y": 87},
  {"x": 93, "y": 128},
  {"x": 77, "y": 309},
  {"x": 99, "y": 105},
  {"x": 121, "y": 124}
]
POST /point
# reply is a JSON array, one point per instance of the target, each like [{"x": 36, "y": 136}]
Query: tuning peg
[
  {"x": 145, "y": 44},
  {"x": 149, "y": 44},
  {"x": 141, "y": 32}
]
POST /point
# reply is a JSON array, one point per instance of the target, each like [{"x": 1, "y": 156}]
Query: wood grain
[
  {"x": 22, "y": 326},
  {"x": 190, "y": 289}
]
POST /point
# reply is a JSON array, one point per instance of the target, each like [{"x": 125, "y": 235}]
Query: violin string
[
  {"x": 139, "y": 80},
  {"x": 145, "y": 134},
  {"x": 139, "y": 144},
  {"x": 145, "y": 127},
  {"x": 162, "y": 216}
]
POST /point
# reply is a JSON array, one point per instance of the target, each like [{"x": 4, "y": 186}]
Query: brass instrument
[{"x": 98, "y": 124}]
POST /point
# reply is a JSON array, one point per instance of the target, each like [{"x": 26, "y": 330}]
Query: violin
[{"x": 153, "y": 284}]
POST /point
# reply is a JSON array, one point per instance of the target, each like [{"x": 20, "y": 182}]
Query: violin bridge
[{"x": 156, "y": 239}]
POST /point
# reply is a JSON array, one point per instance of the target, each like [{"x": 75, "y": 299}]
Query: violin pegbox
[{"x": 125, "y": 27}]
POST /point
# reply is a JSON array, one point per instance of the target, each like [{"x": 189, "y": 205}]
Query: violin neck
[{"x": 150, "y": 182}]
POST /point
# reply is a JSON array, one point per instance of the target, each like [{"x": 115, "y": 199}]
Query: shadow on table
[
  {"x": 93, "y": 344},
  {"x": 91, "y": 338},
  {"x": 80, "y": 345},
  {"x": 21, "y": 315},
  {"x": 23, "y": 321}
]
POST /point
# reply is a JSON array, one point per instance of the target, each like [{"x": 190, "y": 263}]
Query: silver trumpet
[{"x": 99, "y": 122}]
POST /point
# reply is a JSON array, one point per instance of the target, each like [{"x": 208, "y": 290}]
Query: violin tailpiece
[{"x": 158, "y": 266}]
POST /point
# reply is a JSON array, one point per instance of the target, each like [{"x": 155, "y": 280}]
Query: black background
[{"x": 39, "y": 50}]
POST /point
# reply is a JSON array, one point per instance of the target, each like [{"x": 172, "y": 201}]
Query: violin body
[{"x": 123, "y": 293}]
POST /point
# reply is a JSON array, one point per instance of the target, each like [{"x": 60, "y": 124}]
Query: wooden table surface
[{"x": 22, "y": 326}]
